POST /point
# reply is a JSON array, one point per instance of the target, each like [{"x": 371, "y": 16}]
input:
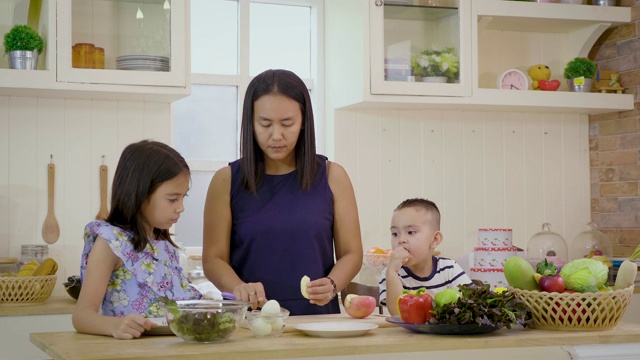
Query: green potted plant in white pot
[
  {"x": 579, "y": 73},
  {"x": 23, "y": 45},
  {"x": 438, "y": 64}
]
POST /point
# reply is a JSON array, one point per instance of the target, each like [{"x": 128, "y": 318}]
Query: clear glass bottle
[
  {"x": 33, "y": 252},
  {"x": 547, "y": 244}
]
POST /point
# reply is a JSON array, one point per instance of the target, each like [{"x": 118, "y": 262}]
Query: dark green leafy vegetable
[
  {"x": 479, "y": 305},
  {"x": 546, "y": 268},
  {"x": 204, "y": 326}
]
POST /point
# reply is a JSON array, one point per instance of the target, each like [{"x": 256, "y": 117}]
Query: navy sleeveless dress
[{"x": 281, "y": 234}]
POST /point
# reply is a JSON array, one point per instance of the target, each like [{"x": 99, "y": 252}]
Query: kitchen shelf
[
  {"x": 499, "y": 35},
  {"x": 56, "y": 78}
]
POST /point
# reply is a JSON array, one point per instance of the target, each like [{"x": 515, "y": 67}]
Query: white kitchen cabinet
[
  {"x": 122, "y": 27},
  {"x": 494, "y": 35}
]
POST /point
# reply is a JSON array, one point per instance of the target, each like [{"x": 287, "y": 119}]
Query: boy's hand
[
  {"x": 132, "y": 326},
  {"x": 399, "y": 256}
]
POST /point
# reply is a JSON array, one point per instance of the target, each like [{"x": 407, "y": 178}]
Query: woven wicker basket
[
  {"x": 27, "y": 290},
  {"x": 576, "y": 311}
]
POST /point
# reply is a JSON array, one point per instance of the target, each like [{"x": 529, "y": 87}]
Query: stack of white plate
[{"x": 143, "y": 63}]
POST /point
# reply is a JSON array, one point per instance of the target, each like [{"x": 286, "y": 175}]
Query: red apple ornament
[
  {"x": 549, "y": 85},
  {"x": 359, "y": 306}
]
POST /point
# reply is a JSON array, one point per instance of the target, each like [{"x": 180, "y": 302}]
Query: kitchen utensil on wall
[
  {"x": 104, "y": 212},
  {"x": 50, "y": 228}
]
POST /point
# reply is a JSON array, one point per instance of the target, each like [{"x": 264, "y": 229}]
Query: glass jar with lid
[
  {"x": 590, "y": 243},
  {"x": 33, "y": 252},
  {"x": 549, "y": 245},
  {"x": 8, "y": 265}
]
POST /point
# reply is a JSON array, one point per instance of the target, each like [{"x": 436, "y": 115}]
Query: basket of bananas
[{"x": 32, "y": 284}]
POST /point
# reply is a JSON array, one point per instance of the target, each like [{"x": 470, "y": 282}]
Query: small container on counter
[
  {"x": 33, "y": 252},
  {"x": 8, "y": 265}
]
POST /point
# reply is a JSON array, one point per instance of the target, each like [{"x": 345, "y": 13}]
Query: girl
[
  {"x": 129, "y": 261},
  {"x": 279, "y": 213}
]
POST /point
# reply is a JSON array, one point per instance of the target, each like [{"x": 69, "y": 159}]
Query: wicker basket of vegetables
[{"x": 576, "y": 297}]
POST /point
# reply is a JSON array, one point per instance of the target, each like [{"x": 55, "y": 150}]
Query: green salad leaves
[
  {"x": 199, "y": 325},
  {"x": 478, "y": 304}
]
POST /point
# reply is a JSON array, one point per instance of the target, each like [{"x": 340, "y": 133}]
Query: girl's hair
[
  {"x": 142, "y": 168},
  {"x": 281, "y": 82},
  {"x": 427, "y": 205}
]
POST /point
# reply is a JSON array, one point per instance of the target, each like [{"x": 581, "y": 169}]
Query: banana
[
  {"x": 28, "y": 268},
  {"x": 48, "y": 267}
]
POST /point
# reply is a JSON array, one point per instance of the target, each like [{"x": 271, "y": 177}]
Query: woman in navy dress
[{"x": 281, "y": 211}]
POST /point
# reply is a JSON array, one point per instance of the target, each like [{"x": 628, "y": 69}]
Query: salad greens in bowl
[{"x": 204, "y": 321}]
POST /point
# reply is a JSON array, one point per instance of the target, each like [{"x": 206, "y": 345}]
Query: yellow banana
[
  {"x": 48, "y": 267},
  {"x": 604, "y": 260}
]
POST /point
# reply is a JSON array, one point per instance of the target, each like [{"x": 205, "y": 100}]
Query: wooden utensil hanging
[
  {"x": 104, "y": 212},
  {"x": 50, "y": 228}
]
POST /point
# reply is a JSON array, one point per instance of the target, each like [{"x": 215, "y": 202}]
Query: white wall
[
  {"x": 77, "y": 133},
  {"x": 483, "y": 169}
]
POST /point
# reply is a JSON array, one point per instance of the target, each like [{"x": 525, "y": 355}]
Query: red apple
[
  {"x": 548, "y": 85},
  {"x": 359, "y": 306}
]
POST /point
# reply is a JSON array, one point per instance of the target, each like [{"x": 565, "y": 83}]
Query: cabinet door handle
[{"x": 379, "y": 2}]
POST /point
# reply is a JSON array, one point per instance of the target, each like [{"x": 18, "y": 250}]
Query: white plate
[
  {"x": 161, "y": 329},
  {"x": 332, "y": 329}
]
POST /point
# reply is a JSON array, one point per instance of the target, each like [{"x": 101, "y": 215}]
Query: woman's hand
[
  {"x": 320, "y": 291},
  {"x": 251, "y": 292},
  {"x": 132, "y": 326}
]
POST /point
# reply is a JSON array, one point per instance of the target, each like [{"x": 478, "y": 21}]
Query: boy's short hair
[{"x": 429, "y": 206}]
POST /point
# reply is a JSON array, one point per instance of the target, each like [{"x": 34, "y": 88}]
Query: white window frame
[{"x": 315, "y": 84}]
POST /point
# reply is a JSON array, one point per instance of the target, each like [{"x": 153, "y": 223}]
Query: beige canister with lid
[{"x": 8, "y": 265}]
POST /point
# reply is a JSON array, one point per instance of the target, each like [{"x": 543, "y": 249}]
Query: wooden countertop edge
[
  {"x": 52, "y": 306},
  {"x": 242, "y": 345}
]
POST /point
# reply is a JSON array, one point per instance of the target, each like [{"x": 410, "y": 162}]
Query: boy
[{"x": 415, "y": 234}]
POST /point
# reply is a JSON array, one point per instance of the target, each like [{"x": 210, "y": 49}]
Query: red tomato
[{"x": 552, "y": 284}]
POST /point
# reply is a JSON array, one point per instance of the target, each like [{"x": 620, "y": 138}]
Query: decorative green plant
[
  {"x": 22, "y": 37},
  {"x": 579, "y": 67},
  {"x": 438, "y": 61}
]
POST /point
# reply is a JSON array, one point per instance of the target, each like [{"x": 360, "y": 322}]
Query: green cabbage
[{"x": 584, "y": 272}]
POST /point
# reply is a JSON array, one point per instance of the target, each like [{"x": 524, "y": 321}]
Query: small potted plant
[
  {"x": 580, "y": 73},
  {"x": 23, "y": 45},
  {"x": 436, "y": 65}
]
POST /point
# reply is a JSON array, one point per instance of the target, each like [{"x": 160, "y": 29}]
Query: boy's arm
[{"x": 394, "y": 290}]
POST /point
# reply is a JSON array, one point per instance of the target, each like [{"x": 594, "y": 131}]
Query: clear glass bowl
[
  {"x": 267, "y": 325},
  {"x": 205, "y": 321},
  {"x": 547, "y": 244},
  {"x": 376, "y": 261}
]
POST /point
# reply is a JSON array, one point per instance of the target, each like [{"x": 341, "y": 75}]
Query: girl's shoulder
[{"x": 106, "y": 231}]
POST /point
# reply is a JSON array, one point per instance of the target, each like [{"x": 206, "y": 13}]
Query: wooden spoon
[
  {"x": 104, "y": 212},
  {"x": 50, "y": 228}
]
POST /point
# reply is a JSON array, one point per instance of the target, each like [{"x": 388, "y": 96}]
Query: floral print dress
[{"x": 145, "y": 276}]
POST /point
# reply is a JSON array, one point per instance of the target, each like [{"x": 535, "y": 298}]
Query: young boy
[{"x": 415, "y": 234}]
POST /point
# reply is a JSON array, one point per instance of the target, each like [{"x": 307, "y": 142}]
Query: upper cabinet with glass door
[
  {"x": 420, "y": 47},
  {"x": 132, "y": 43}
]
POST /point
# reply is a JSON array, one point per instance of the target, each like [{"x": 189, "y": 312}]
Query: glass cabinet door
[
  {"x": 420, "y": 47},
  {"x": 129, "y": 42}
]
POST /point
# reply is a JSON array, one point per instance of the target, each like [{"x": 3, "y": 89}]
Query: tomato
[
  {"x": 375, "y": 250},
  {"x": 553, "y": 283}
]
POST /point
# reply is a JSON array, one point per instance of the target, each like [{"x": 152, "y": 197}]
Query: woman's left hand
[{"x": 320, "y": 291}]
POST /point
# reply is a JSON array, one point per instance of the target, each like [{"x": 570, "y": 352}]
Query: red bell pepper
[{"x": 415, "y": 306}]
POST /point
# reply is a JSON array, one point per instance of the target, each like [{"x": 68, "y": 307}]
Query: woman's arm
[
  {"x": 216, "y": 242},
  {"x": 346, "y": 230},
  {"x": 86, "y": 317}
]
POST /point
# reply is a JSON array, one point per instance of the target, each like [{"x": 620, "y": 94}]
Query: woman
[{"x": 277, "y": 213}]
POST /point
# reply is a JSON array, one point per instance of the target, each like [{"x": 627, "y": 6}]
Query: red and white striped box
[{"x": 498, "y": 238}]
